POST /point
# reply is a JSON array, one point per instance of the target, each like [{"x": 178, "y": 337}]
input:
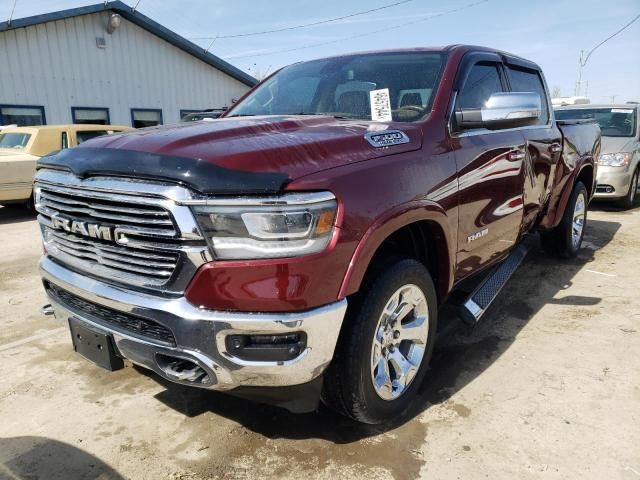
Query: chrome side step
[{"x": 485, "y": 293}]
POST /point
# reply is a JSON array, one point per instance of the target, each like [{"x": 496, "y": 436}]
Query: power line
[
  {"x": 582, "y": 61},
  {"x": 311, "y": 45},
  {"x": 13, "y": 9},
  {"x": 312, "y": 24},
  {"x": 609, "y": 38}
]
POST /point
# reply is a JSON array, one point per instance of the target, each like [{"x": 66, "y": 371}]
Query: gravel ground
[{"x": 547, "y": 386}]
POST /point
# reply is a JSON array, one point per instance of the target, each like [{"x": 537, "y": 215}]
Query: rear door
[
  {"x": 490, "y": 168},
  {"x": 543, "y": 141}
]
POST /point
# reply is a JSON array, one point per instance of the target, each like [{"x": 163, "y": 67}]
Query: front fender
[{"x": 392, "y": 221}]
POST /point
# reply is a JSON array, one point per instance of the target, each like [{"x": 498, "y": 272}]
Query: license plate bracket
[{"x": 95, "y": 345}]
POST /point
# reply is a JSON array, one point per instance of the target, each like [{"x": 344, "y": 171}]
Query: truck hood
[
  {"x": 268, "y": 147},
  {"x": 617, "y": 144}
]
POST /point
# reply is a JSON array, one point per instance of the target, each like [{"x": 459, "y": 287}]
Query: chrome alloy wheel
[
  {"x": 400, "y": 342},
  {"x": 579, "y": 219}
]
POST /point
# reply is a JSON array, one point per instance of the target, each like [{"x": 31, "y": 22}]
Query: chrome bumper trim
[
  {"x": 200, "y": 334},
  {"x": 620, "y": 180}
]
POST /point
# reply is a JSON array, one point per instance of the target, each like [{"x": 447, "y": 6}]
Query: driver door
[{"x": 490, "y": 171}]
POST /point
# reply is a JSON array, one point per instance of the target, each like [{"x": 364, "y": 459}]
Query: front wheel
[
  {"x": 629, "y": 200},
  {"x": 385, "y": 346},
  {"x": 565, "y": 240}
]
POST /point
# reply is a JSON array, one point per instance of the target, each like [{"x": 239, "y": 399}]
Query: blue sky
[{"x": 549, "y": 32}]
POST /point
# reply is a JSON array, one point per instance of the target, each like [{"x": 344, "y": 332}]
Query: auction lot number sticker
[{"x": 380, "y": 105}]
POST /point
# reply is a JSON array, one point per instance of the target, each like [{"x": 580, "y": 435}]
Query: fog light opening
[{"x": 267, "y": 348}]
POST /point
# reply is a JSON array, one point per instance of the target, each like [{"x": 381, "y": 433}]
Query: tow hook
[{"x": 47, "y": 310}]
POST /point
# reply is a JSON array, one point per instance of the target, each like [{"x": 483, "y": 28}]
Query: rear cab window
[{"x": 526, "y": 80}]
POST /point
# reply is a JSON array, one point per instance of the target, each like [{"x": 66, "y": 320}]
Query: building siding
[{"x": 58, "y": 65}]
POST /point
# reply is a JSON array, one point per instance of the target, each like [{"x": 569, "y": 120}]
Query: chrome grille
[
  {"x": 133, "y": 260},
  {"x": 148, "y": 250},
  {"x": 114, "y": 209}
]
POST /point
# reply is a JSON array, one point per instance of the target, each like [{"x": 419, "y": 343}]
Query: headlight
[
  {"x": 615, "y": 159},
  {"x": 286, "y": 226}
]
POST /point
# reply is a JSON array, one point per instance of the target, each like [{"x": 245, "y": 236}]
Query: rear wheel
[
  {"x": 629, "y": 200},
  {"x": 565, "y": 240},
  {"x": 385, "y": 346}
]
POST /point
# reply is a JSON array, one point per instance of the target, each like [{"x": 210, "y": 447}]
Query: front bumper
[
  {"x": 200, "y": 333},
  {"x": 613, "y": 182}
]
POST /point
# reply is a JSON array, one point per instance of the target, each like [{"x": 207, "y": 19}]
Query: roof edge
[{"x": 142, "y": 21}]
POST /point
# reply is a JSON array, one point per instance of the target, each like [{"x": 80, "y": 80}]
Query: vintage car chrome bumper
[{"x": 199, "y": 333}]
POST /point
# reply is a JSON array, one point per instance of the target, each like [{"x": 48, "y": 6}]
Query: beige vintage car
[{"x": 20, "y": 148}]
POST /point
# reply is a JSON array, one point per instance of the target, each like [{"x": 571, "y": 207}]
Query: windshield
[
  {"x": 614, "y": 122},
  {"x": 341, "y": 87},
  {"x": 14, "y": 140}
]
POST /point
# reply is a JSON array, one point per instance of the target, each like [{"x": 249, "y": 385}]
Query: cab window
[
  {"x": 65, "y": 140},
  {"x": 525, "y": 80},
  {"x": 483, "y": 81}
]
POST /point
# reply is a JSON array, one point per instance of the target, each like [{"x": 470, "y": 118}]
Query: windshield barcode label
[{"x": 380, "y": 105}]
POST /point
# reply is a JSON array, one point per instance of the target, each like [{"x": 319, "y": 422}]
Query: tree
[{"x": 556, "y": 91}]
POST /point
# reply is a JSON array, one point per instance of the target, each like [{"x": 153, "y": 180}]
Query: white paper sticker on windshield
[
  {"x": 621, "y": 110},
  {"x": 380, "y": 105}
]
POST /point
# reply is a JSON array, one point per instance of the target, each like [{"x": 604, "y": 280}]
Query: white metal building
[{"x": 105, "y": 63}]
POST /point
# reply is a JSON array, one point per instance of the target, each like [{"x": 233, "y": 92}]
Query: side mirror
[{"x": 502, "y": 110}]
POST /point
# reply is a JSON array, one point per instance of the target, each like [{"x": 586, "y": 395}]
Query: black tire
[
  {"x": 558, "y": 242},
  {"x": 30, "y": 203},
  {"x": 629, "y": 200},
  {"x": 348, "y": 384}
]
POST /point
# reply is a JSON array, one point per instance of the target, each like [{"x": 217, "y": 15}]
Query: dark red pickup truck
[{"x": 300, "y": 247}]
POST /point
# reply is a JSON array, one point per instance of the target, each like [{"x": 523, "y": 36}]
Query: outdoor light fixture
[{"x": 114, "y": 22}]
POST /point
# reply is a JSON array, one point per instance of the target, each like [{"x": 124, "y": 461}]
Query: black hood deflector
[{"x": 195, "y": 173}]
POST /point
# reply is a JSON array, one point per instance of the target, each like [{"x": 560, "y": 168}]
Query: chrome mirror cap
[
  {"x": 512, "y": 106},
  {"x": 502, "y": 110}
]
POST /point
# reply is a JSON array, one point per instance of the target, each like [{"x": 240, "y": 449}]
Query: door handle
[
  {"x": 555, "y": 148},
  {"x": 516, "y": 155}
]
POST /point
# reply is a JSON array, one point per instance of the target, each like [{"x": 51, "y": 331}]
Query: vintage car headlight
[
  {"x": 614, "y": 159},
  {"x": 286, "y": 226}
]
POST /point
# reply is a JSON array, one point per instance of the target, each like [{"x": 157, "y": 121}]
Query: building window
[
  {"x": 145, "y": 117},
  {"x": 90, "y": 115},
  {"x": 22, "y": 115}
]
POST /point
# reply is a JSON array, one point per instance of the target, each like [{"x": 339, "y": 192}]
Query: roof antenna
[
  {"x": 133, "y": 10},
  {"x": 12, "y": 10}
]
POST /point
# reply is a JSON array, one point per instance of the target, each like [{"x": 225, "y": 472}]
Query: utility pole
[{"x": 581, "y": 63}]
